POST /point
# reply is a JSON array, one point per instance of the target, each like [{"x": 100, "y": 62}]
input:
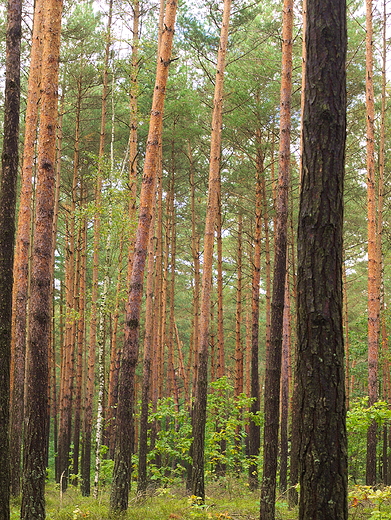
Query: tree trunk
[
  {"x": 35, "y": 445},
  {"x": 68, "y": 362},
  {"x": 199, "y": 410},
  {"x": 285, "y": 389},
  {"x": 122, "y": 463},
  {"x": 133, "y": 138},
  {"x": 171, "y": 248},
  {"x": 273, "y": 353},
  {"x": 82, "y": 263},
  {"x": 220, "y": 300},
  {"x": 383, "y": 332},
  {"x": 101, "y": 344},
  {"x": 320, "y": 364},
  {"x": 115, "y": 356},
  {"x": 373, "y": 283},
  {"x": 87, "y": 422},
  {"x": 195, "y": 251},
  {"x": 146, "y": 382},
  {"x": 22, "y": 251},
  {"x": 254, "y": 438},
  {"x": 238, "y": 322},
  {"x": 9, "y": 175}
]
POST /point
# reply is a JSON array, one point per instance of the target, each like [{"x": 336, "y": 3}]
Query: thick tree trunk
[
  {"x": 35, "y": 446},
  {"x": 9, "y": 174},
  {"x": 22, "y": 250},
  {"x": 273, "y": 353},
  {"x": 320, "y": 364},
  {"x": 122, "y": 462}
]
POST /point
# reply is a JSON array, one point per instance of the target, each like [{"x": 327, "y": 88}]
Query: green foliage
[
  {"x": 358, "y": 419},
  {"x": 360, "y": 416},
  {"x": 373, "y": 501},
  {"x": 171, "y": 447},
  {"x": 225, "y": 434}
]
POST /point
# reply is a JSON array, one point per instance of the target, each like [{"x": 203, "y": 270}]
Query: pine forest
[{"x": 195, "y": 259}]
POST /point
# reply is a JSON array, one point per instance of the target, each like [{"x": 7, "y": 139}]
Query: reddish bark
[
  {"x": 122, "y": 463},
  {"x": 35, "y": 446}
]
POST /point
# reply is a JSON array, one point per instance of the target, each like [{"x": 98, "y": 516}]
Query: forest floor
[{"x": 227, "y": 500}]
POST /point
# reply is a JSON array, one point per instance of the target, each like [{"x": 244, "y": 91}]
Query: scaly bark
[
  {"x": 373, "y": 259},
  {"x": 35, "y": 442},
  {"x": 22, "y": 250},
  {"x": 320, "y": 363},
  {"x": 254, "y": 439},
  {"x": 146, "y": 382},
  {"x": 199, "y": 410},
  {"x": 273, "y": 353},
  {"x": 122, "y": 462},
  {"x": 8, "y": 180}
]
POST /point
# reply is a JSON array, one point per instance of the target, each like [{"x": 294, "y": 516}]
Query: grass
[{"x": 228, "y": 499}]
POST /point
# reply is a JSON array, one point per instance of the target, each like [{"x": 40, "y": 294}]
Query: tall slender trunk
[
  {"x": 22, "y": 254},
  {"x": 122, "y": 462},
  {"x": 9, "y": 175},
  {"x": 273, "y": 353},
  {"x": 268, "y": 265},
  {"x": 115, "y": 356},
  {"x": 373, "y": 265},
  {"x": 383, "y": 333},
  {"x": 171, "y": 247},
  {"x": 82, "y": 263},
  {"x": 239, "y": 376},
  {"x": 87, "y": 421},
  {"x": 285, "y": 390},
  {"x": 133, "y": 138},
  {"x": 101, "y": 344},
  {"x": 157, "y": 358},
  {"x": 195, "y": 251},
  {"x": 146, "y": 382},
  {"x": 293, "y": 496},
  {"x": 35, "y": 445},
  {"x": 254, "y": 439},
  {"x": 55, "y": 404},
  {"x": 68, "y": 362},
  {"x": 199, "y": 411},
  {"x": 220, "y": 297}
]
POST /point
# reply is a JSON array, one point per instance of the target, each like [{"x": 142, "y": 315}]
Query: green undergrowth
[{"x": 226, "y": 500}]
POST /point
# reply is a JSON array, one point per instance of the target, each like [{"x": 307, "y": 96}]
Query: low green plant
[{"x": 373, "y": 500}]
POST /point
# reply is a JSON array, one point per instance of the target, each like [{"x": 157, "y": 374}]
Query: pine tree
[
  {"x": 9, "y": 175},
  {"x": 36, "y": 434},
  {"x": 320, "y": 363}
]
